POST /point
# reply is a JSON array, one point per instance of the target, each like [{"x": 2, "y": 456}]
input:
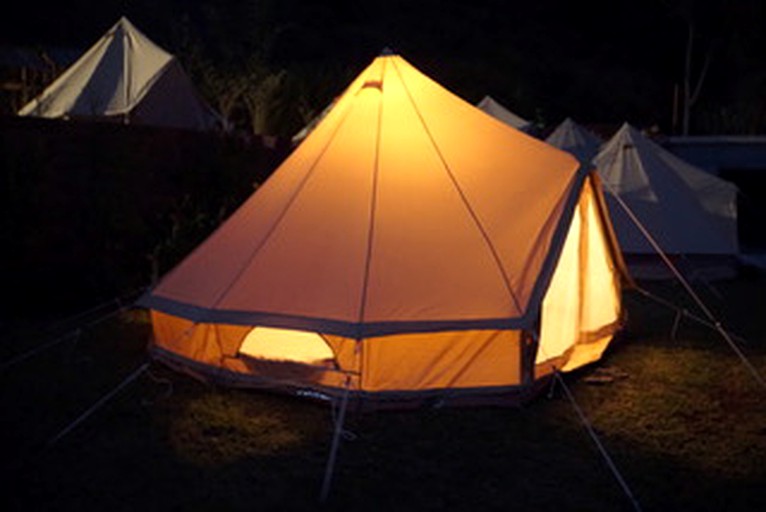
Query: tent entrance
[{"x": 287, "y": 346}]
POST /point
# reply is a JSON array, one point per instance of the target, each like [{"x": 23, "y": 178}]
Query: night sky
[{"x": 596, "y": 61}]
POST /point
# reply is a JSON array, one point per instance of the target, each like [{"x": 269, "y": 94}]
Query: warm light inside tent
[
  {"x": 286, "y": 345},
  {"x": 560, "y": 323},
  {"x": 347, "y": 239},
  {"x": 582, "y": 327}
]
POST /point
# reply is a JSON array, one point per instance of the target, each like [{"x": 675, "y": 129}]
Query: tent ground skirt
[{"x": 359, "y": 401}]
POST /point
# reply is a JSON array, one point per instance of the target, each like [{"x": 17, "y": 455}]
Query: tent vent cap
[{"x": 375, "y": 84}]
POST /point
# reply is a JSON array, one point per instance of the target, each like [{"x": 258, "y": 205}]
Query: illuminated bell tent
[{"x": 410, "y": 249}]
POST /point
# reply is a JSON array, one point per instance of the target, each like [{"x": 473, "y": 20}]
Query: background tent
[
  {"x": 304, "y": 132},
  {"x": 687, "y": 211},
  {"x": 498, "y": 111},
  {"x": 575, "y": 139},
  {"x": 323, "y": 281},
  {"x": 126, "y": 77}
]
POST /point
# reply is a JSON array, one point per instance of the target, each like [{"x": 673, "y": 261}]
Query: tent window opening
[{"x": 288, "y": 346}]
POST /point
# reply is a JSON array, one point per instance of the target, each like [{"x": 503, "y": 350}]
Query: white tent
[
  {"x": 687, "y": 210},
  {"x": 126, "y": 77},
  {"x": 575, "y": 139},
  {"x": 498, "y": 111}
]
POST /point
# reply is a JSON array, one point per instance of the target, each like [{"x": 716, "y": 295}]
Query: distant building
[
  {"x": 721, "y": 153},
  {"x": 740, "y": 159}
]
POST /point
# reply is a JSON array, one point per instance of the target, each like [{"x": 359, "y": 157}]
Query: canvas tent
[
  {"x": 686, "y": 210},
  {"x": 498, "y": 111},
  {"x": 410, "y": 247},
  {"x": 126, "y": 77},
  {"x": 575, "y": 139}
]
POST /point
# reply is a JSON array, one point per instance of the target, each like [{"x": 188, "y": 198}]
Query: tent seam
[
  {"x": 281, "y": 215},
  {"x": 373, "y": 206},
  {"x": 463, "y": 198}
]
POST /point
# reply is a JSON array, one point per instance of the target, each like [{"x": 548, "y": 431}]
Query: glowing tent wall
[
  {"x": 580, "y": 313},
  {"x": 418, "y": 238}
]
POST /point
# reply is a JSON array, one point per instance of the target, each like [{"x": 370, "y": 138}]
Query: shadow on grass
[
  {"x": 687, "y": 428},
  {"x": 210, "y": 449}
]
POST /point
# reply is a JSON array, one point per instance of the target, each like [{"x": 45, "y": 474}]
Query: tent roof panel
[{"x": 406, "y": 209}]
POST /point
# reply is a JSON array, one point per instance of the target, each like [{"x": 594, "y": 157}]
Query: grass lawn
[{"x": 684, "y": 421}]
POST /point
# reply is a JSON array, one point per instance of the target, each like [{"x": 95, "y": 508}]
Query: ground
[{"x": 680, "y": 414}]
